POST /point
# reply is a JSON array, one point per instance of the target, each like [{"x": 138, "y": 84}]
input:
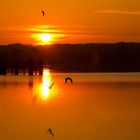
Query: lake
[{"x": 97, "y": 106}]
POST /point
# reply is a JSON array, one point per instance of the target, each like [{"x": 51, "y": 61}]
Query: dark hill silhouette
[{"x": 94, "y": 57}]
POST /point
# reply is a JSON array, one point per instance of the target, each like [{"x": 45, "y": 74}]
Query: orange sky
[{"x": 75, "y": 21}]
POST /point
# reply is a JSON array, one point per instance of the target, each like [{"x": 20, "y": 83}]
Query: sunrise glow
[
  {"x": 45, "y": 37},
  {"x": 47, "y": 34},
  {"x": 106, "y": 21},
  {"x": 42, "y": 38}
]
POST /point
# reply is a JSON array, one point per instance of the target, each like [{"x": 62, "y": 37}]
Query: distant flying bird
[
  {"x": 43, "y": 13},
  {"x": 50, "y": 131},
  {"x": 50, "y": 86},
  {"x": 68, "y": 78}
]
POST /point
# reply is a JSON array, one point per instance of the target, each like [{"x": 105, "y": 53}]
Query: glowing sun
[{"x": 45, "y": 38}]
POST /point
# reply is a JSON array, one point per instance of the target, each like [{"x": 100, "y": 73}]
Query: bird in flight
[
  {"x": 50, "y": 131},
  {"x": 68, "y": 78},
  {"x": 50, "y": 86},
  {"x": 43, "y": 13}
]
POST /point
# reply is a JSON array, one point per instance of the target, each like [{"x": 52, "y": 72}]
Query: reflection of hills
[{"x": 75, "y": 57}]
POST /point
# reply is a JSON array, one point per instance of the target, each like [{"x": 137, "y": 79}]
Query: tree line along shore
[{"x": 91, "y": 57}]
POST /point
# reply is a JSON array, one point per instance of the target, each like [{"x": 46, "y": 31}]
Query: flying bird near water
[
  {"x": 43, "y": 13},
  {"x": 50, "y": 86},
  {"x": 68, "y": 78},
  {"x": 50, "y": 131}
]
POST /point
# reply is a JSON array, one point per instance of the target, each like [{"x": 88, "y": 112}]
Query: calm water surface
[{"x": 97, "y": 106}]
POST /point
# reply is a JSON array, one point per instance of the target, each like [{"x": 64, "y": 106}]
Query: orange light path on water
[
  {"x": 45, "y": 91},
  {"x": 41, "y": 91}
]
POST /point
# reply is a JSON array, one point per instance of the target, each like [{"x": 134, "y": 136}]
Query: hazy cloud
[{"x": 116, "y": 12}]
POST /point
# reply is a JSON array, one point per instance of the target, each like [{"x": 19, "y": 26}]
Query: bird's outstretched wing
[
  {"x": 43, "y": 13},
  {"x": 51, "y": 86},
  {"x": 50, "y": 131},
  {"x": 68, "y": 78}
]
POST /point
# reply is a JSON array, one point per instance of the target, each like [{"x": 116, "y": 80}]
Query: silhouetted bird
[
  {"x": 50, "y": 131},
  {"x": 50, "y": 86},
  {"x": 68, "y": 78},
  {"x": 43, "y": 13}
]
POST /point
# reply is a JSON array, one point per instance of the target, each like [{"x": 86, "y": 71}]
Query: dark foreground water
[{"x": 97, "y": 106}]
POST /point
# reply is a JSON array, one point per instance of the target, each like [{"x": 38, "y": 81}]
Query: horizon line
[{"x": 127, "y": 42}]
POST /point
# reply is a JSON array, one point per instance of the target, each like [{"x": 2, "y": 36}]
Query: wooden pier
[
  {"x": 21, "y": 61},
  {"x": 22, "y": 69}
]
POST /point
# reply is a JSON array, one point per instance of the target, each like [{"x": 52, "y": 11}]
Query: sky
[{"x": 75, "y": 21}]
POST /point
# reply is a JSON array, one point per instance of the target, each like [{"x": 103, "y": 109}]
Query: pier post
[
  {"x": 16, "y": 70},
  {"x": 30, "y": 70},
  {"x": 40, "y": 67},
  {"x": 3, "y": 71}
]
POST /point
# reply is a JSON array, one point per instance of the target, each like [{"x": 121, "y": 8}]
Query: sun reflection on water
[
  {"x": 46, "y": 81},
  {"x": 41, "y": 90}
]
